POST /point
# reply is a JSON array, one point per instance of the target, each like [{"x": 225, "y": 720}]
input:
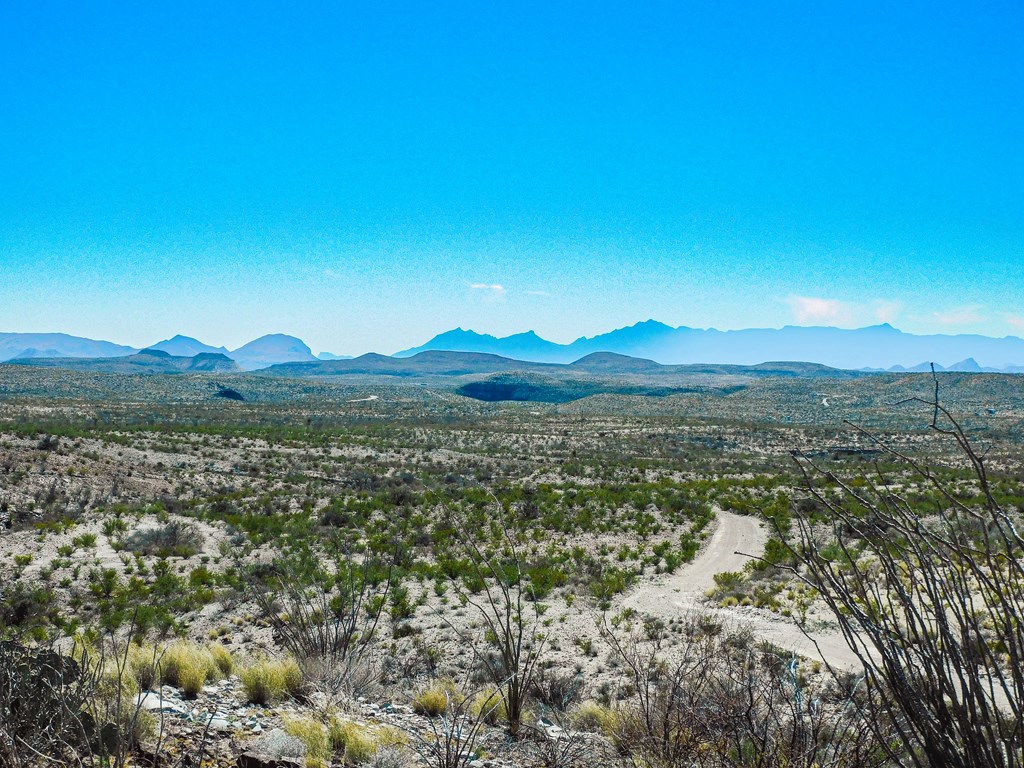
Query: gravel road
[{"x": 683, "y": 592}]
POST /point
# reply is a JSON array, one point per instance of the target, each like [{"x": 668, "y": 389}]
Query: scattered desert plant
[
  {"x": 181, "y": 538},
  {"x": 43, "y": 695},
  {"x": 454, "y": 732},
  {"x": 324, "y": 609},
  {"x": 715, "y": 698},
  {"x": 931, "y": 601},
  {"x": 510, "y": 614}
]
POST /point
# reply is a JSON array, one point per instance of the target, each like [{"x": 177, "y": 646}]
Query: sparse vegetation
[{"x": 324, "y": 554}]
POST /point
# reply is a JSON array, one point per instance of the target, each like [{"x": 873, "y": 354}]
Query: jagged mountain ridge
[{"x": 874, "y": 347}]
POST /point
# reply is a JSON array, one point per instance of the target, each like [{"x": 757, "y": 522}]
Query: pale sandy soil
[{"x": 735, "y": 539}]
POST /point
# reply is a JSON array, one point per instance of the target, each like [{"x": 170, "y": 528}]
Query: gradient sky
[{"x": 367, "y": 175}]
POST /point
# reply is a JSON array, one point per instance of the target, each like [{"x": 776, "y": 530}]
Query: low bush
[{"x": 180, "y": 538}]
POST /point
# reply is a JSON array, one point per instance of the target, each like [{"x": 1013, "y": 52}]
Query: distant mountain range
[
  {"x": 260, "y": 353},
  {"x": 57, "y": 345},
  {"x": 146, "y": 361},
  {"x": 875, "y": 348},
  {"x": 879, "y": 347}
]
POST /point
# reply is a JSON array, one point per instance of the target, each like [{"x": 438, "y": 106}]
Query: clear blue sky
[{"x": 364, "y": 175}]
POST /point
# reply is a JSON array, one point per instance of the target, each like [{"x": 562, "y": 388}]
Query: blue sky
[{"x": 367, "y": 175}]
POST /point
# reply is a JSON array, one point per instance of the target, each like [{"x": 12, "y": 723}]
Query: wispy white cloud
[
  {"x": 888, "y": 311},
  {"x": 959, "y": 315},
  {"x": 494, "y": 288},
  {"x": 537, "y": 293},
  {"x": 812, "y": 309},
  {"x": 1014, "y": 321}
]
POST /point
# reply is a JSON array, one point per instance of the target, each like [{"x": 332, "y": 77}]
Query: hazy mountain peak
[
  {"x": 57, "y": 345},
  {"x": 271, "y": 349},
  {"x": 185, "y": 346}
]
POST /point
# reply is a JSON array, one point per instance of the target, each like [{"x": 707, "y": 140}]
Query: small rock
[{"x": 154, "y": 702}]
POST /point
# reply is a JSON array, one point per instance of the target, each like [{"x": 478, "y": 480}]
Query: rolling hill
[{"x": 147, "y": 361}]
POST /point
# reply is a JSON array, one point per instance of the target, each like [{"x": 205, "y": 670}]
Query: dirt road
[{"x": 677, "y": 594}]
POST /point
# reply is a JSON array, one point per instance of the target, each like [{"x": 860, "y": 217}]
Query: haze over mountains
[
  {"x": 262, "y": 352},
  {"x": 879, "y": 347}
]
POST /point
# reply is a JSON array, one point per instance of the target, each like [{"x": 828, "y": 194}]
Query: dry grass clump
[
  {"x": 315, "y": 738},
  {"x": 593, "y": 717},
  {"x": 267, "y": 681},
  {"x": 113, "y": 696},
  {"x": 489, "y": 705},
  {"x": 432, "y": 700},
  {"x": 222, "y": 658},
  {"x": 356, "y": 742},
  {"x": 360, "y": 744},
  {"x": 184, "y": 665},
  {"x": 143, "y": 664},
  {"x": 189, "y": 666}
]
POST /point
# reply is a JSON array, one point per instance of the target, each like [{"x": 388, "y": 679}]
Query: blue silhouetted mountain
[
  {"x": 332, "y": 356},
  {"x": 874, "y": 347},
  {"x": 186, "y": 346},
  {"x": 14, "y": 345},
  {"x": 145, "y": 361},
  {"x": 272, "y": 349},
  {"x": 520, "y": 346}
]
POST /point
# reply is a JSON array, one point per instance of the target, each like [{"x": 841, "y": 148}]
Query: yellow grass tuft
[{"x": 314, "y": 736}]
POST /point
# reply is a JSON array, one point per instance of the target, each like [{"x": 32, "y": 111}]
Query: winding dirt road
[{"x": 674, "y": 595}]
